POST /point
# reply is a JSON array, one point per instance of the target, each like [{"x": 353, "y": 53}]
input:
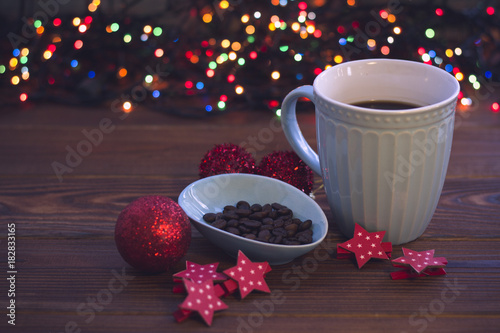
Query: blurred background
[{"x": 202, "y": 58}]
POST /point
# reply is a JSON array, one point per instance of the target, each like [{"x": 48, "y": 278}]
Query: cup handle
[{"x": 292, "y": 130}]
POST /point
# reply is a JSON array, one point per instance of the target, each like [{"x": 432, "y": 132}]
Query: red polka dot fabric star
[
  {"x": 249, "y": 275},
  {"x": 365, "y": 245},
  {"x": 201, "y": 273},
  {"x": 202, "y": 299},
  {"x": 420, "y": 261}
]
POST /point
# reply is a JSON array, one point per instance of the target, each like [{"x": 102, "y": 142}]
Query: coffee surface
[{"x": 386, "y": 105}]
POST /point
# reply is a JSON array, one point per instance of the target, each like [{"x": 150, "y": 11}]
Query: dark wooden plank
[
  {"x": 334, "y": 290},
  {"x": 148, "y": 143},
  {"x": 66, "y": 255},
  {"x": 88, "y": 206}
]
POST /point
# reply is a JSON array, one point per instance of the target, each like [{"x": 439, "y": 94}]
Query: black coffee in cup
[{"x": 386, "y": 105}]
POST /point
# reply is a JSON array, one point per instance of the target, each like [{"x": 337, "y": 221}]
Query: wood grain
[{"x": 66, "y": 256}]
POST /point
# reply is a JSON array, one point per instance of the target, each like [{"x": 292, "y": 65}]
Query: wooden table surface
[{"x": 66, "y": 256}]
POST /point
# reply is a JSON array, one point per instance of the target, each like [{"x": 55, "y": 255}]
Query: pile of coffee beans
[{"x": 269, "y": 223}]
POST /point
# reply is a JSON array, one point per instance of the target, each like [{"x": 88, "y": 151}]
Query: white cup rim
[{"x": 438, "y": 72}]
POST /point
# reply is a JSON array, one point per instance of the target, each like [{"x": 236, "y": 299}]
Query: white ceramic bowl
[{"x": 211, "y": 194}]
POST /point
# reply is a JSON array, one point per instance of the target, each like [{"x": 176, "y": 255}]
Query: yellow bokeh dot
[
  {"x": 310, "y": 29},
  {"x": 47, "y": 54},
  {"x": 245, "y": 18},
  {"x": 271, "y": 26},
  {"x": 92, "y": 7},
  {"x": 76, "y": 21},
  {"x": 459, "y": 76},
  {"x": 338, "y": 59},
  {"x": 147, "y": 29},
  {"x": 239, "y": 89},
  {"x": 232, "y": 55},
  {"x": 397, "y": 30},
  {"x": 13, "y": 63},
  {"x": 207, "y": 18},
  {"x": 236, "y": 46},
  {"x": 224, "y": 4},
  {"x": 275, "y": 75},
  {"x": 250, "y": 29},
  {"x": 15, "y": 80},
  {"x": 225, "y": 43},
  {"x": 295, "y": 26},
  {"x": 449, "y": 53}
]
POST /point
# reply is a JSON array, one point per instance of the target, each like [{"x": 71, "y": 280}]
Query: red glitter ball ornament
[
  {"x": 226, "y": 158},
  {"x": 152, "y": 234},
  {"x": 288, "y": 167}
]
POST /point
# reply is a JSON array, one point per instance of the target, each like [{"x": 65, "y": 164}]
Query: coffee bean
[
  {"x": 256, "y": 208},
  {"x": 290, "y": 242},
  {"x": 230, "y": 216},
  {"x": 244, "y": 229},
  {"x": 219, "y": 224},
  {"x": 278, "y": 239},
  {"x": 267, "y": 208},
  {"x": 291, "y": 229},
  {"x": 242, "y": 212},
  {"x": 267, "y": 227},
  {"x": 278, "y": 223},
  {"x": 243, "y": 204},
  {"x": 228, "y": 208},
  {"x": 305, "y": 225},
  {"x": 305, "y": 239},
  {"x": 209, "y": 217},
  {"x": 258, "y": 216},
  {"x": 264, "y": 235},
  {"x": 271, "y": 223},
  {"x": 273, "y": 214},
  {"x": 233, "y": 230},
  {"x": 284, "y": 211},
  {"x": 279, "y": 231},
  {"x": 277, "y": 206},
  {"x": 267, "y": 220},
  {"x": 252, "y": 224},
  {"x": 233, "y": 223}
]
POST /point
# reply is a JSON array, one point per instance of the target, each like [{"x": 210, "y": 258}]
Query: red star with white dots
[
  {"x": 365, "y": 245},
  {"x": 201, "y": 273},
  {"x": 420, "y": 261},
  {"x": 202, "y": 299},
  {"x": 249, "y": 275}
]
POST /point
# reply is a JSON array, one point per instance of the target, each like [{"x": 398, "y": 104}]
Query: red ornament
[
  {"x": 288, "y": 167},
  {"x": 226, "y": 158},
  {"x": 152, "y": 233},
  {"x": 249, "y": 275},
  {"x": 202, "y": 299},
  {"x": 365, "y": 245}
]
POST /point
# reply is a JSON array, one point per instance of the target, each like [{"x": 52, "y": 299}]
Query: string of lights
[{"x": 220, "y": 56}]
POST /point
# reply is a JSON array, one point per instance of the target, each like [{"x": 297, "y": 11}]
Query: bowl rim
[{"x": 323, "y": 221}]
